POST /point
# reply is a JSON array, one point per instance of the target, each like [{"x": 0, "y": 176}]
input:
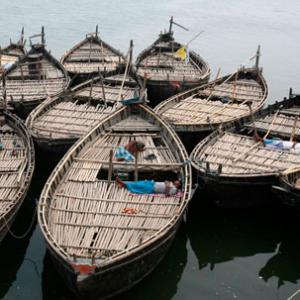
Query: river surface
[{"x": 218, "y": 254}]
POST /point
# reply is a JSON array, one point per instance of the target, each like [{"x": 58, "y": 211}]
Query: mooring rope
[{"x": 19, "y": 237}]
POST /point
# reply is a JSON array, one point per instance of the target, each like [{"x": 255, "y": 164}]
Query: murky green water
[{"x": 218, "y": 254}]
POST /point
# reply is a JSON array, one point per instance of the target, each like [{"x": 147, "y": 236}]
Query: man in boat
[
  {"x": 168, "y": 188},
  {"x": 278, "y": 144},
  {"x": 128, "y": 152}
]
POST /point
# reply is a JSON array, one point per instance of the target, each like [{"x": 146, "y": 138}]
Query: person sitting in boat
[
  {"x": 169, "y": 188},
  {"x": 127, "y": 152},
  {"x": 278, "y": 144}
]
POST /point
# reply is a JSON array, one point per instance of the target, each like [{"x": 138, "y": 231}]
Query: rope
[
  {"x": 19, "y": 237},
  {"x": 293, "y": 295}
]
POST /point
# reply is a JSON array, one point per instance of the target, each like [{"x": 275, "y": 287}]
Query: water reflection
[
  {"x": 166, "y": 276},
  {"x": 285, "y": 264},
  {"x": 218, "y": 235},
  {"x": 12, "y": 251}
]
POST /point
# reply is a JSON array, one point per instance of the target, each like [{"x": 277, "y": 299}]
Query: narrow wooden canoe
[
  {"x": 33, "y": 78},
  {"x": 98, "y": 248},
  {"x": 222, "y": 101},
  {"x": 58, "y": 122},
  {"x": 16, "y": 168},
  {"x": 167, "y": 74},
  {"x": 90, "y": 56}
]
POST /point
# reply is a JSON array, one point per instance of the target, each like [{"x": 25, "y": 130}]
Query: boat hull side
[
  {"x": 119, "y": 277},
  {"x": 161, "y": 90},
  {"x": 239, "y": 192}
]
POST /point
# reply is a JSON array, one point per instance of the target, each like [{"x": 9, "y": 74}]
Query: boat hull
[
  {"x": 23, "y": 109},
  {"x": 238, "y": 192},
  {"x": 56, "y": 146},
  {"x": 119, "y": 277},
  {"x": 158, "y": 91}
]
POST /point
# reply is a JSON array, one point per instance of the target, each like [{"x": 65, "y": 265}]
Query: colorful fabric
[
  {"x": 123, "y": 154},
  {"x": 183, "y": 53},
  {"x": 140, "y": 187}
]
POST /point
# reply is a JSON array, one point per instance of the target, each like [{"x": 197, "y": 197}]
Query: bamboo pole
[
  {"x": 136, "y": 166},
  {"x": 294, "y": 129},
  {"x": 110, "y": 165}
]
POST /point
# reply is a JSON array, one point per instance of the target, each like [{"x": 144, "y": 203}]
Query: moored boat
[
  {"x": 167, "y": 74},
  {"x": 33, "y": 78},
  {"x": 201, "y": 110},
  {"x": 16, "y": 168},
  {"x": 281, "y": 119},
  {"x": 236, "y": 165},
  {"x": 90, "y": 56},
  {"x": 104, "y": 239},
  {"x": 12, "y": 52},
  {"x": 58, "y": 122}
]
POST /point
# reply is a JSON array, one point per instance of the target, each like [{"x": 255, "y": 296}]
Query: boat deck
[
  {"x": 90, "y": 57},
  {"x": 165, "y": 66},
  {"x": 90, "y": 216},
  {"x": 221, "y": 103},
  {"x": 76, "y": 115},
  {"x": 12, "y": 160},
  {"x": 285, "y": 123},
  {"x": 242, "y": 155}
]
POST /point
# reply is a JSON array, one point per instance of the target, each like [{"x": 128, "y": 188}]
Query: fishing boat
[
  {"x": 16, "y": 167},
  {"x": 57, "y": 123},
  {"x": 283, "y": 115},
  {"x": 103, "y": 239},
  {"x": 12, "y": 52},
  {"x": 236, "y": 164},
  {"x": 89, "y": 56},
  {"x": 201, "y": 110},
  {"x": 168, "y": 68},
  {"x": 33, "y": 78}
]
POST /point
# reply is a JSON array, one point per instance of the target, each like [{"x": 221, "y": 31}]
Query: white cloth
[{"x": 161, "y": 187}]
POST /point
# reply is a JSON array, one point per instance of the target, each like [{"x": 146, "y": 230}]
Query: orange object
[
  {"x": 129, "y": 210},
  {"x": 84, "y": 269}
]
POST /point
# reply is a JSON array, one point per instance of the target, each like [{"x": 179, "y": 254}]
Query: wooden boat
[
  {"x": 167, "y": 74},
  {"x": 98, "y": 247},
  {"x": 282, "y": 119},
  {"x": 33, "y": 78},
  {"x": 12, "y": 52},
  {"x": 16, "y": 167},
  {"x": 199, "y": 111},
  {"x": 288, "y": 189},
  {"x": 58, "y": 122},
  {"x": 233, "y": 163},
  {"x": 89, "y": 56}
]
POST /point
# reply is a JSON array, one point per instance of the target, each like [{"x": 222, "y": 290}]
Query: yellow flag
[{"x": 181, "y": 53}]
